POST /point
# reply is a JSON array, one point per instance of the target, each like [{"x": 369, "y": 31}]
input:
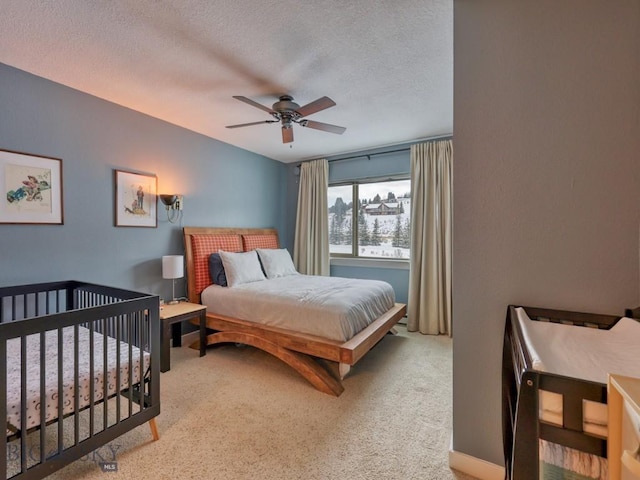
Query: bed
[
  {"x": 321, "y": 360},
  {"x": 554, "y": 374},
  {"x": 82, "y": 368}
]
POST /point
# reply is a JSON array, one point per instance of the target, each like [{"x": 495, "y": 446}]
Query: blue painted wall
[
  {"x": 397, "y": 277},
  {"x": 222, "y": 186}
]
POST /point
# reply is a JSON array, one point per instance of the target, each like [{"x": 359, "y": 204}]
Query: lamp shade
[{"x": 172, "y": 266}]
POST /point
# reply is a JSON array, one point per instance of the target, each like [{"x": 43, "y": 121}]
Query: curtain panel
[
  {"x": 311, "y": 247},
  {"x": 429, "y": 305}
]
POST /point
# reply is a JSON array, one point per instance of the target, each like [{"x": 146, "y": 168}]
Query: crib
[
  {"x": 82, "y": 368},
  {"x": 580, "y": 428}
]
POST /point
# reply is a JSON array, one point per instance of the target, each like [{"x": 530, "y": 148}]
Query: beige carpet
[{"x": 238, "y": 413}]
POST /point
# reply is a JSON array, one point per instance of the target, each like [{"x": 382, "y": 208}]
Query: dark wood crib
[
  {"x": 82, "y": 368},
  {"x": 521, "y": 383}
]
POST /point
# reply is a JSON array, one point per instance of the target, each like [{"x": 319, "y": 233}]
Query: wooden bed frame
[
  {"x": 323, "y": 362},
  {"x": 522, "y": 429}
]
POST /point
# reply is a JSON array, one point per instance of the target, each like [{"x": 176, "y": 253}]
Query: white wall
[{"x": 546, "y": 179}]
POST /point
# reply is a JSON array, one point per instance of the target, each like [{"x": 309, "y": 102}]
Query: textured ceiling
[{"x": 388, "y": 64}]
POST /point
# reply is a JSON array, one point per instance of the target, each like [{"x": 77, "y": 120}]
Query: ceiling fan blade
[
  {"x": 315, "y": 106},
  {"x": 287, "y": 135},
  {"x": 325, "y": 127},
  {"x": 253, "y": 104},
  {"x": 252, "y": 123}
]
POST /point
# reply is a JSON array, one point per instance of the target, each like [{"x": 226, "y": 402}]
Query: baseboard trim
[{"x": 475, "y": 467}]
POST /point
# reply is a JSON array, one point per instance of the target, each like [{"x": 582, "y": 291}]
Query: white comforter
[{"x": 331, "y": 307}]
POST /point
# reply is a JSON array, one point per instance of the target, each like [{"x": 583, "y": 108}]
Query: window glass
[
  {"x": 379, "y": 226},
  {"x": 340, "y": 219}
]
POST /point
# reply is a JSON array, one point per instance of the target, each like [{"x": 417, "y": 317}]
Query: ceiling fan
[{"x": 286, "y": 111}]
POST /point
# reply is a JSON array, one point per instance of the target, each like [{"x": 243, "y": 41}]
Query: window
[{"x": 378, "y": 226}]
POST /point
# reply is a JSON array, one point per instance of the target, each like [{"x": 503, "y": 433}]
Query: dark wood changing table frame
[{"x": 521, "y": 426}]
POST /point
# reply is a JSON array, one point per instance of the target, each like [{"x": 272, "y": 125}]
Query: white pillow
[
  {"x": 276, "y": 262},
  {"x": 241, "y": 267}
]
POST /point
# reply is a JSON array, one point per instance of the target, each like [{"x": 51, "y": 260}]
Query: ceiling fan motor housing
[{"x": 286, "y": 105}]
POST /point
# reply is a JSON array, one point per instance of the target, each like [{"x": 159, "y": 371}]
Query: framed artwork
[
  {"x": 31, "y": 188},
  {"x": 136, "y": 199}
]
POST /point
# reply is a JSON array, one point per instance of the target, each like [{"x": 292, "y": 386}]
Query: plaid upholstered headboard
[{"x": 201, "y": 242}]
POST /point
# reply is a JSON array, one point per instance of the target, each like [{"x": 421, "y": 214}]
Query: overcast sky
[{"x": 369, "y": 190}]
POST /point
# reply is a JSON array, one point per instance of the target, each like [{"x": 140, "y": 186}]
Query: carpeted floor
[{"x": 238, "y": 413}]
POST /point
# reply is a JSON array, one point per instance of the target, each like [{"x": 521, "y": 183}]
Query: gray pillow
[{"x": 216, "y": 270}]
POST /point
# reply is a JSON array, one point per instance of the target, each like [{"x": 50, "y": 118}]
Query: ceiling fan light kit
[{"x": 287, "y": 112}]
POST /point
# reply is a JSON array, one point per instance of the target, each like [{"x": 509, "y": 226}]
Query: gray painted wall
[
  {"x": 222, "y": 186},
  {"x": 379, "y": 165},
  {"x": 546, "y": 179}
]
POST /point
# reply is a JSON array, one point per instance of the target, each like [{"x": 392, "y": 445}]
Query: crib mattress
[
  {"x": 51, "y": 360},
  {"x": 585, "y": 353}
]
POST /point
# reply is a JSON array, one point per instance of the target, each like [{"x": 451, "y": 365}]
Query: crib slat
[
  {"x": 105, "y": 380},
  {"x": 92, "y": 376},
  {"x": 118, "y": 338},
  {"x": 76, "y": 392},
  {"x": 3, "y": 402},
  {"x": 60, "y": 393},
  {"x": 140, "y": 320},
  {"x": 23, "y": 403},
  {"x": 130, "y": 392},
  {"x": 43, "y": 396}
]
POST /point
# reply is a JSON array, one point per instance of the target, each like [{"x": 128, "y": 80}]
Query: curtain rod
[{"x": 369, "y": 155}]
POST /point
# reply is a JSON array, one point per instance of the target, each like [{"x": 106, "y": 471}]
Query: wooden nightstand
[
  {"x": 623, "y": 439},
  {"x": 171, "y": 316}
]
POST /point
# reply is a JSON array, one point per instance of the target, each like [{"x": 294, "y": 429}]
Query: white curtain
[
  {"x": 429, "y": 308},
  {"x": 311, "y": 249}
]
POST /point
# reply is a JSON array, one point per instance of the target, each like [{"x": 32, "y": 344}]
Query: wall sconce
[
  {"x": 172, "y": 268},
  {"x": 173, "y": 205}
]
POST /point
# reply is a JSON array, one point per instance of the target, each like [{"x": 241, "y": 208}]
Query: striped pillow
[
  {"x": 259, "y": 240},
  {"x": 203, "y": 246}
]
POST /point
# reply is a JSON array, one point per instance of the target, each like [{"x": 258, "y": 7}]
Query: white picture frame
[
  {"x": 135, "y": 199},
  {"x": 32, "y": 189}
]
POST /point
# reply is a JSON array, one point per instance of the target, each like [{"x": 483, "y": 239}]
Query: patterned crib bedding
[{"x": 51, "y": 360}]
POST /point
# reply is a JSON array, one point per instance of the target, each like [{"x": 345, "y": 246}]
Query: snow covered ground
[{"x": 387, "y": 226}]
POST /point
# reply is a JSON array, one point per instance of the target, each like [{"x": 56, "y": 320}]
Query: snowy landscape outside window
[{"x": 378, "y": 226}]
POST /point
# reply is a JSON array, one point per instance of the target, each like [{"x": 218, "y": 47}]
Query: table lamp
[{"x": 172, "y": 268}]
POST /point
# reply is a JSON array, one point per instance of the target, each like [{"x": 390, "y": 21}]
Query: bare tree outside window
[{"x": 381, "y": 217}]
